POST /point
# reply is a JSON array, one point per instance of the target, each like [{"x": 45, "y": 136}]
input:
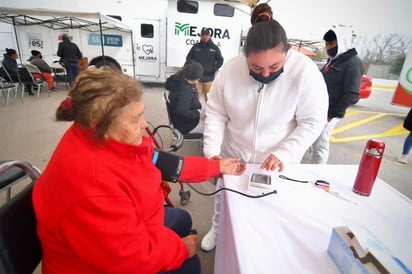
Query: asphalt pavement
[{"x": 29, "y": 133}]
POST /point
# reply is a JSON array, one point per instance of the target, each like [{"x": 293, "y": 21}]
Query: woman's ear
[{"x": 93, "y": 124}]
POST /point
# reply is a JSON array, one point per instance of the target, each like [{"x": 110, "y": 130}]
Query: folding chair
[
  {"x": 60, "y": 75},
  {"x": 194, "y": 137},
  {"x": 9, "y": 80},
  {"x": 5, "y": 88},
  {"x": 26, "y": 77},
  {"x": 20, "y": 249}
]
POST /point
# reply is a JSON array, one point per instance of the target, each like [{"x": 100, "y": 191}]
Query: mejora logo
[{"x": 188, "y": 30}]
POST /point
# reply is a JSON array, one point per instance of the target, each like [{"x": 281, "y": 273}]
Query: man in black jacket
[
  {"x": 69, "y": 54},
  {"x": 209, "y": 56},
  {"x": 343, "y": 75}
]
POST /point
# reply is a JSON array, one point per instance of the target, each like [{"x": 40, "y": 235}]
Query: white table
[{"x": 289, "y": 232}]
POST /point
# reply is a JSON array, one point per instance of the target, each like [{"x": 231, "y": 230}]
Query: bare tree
[{"x": 383, "y": 49}]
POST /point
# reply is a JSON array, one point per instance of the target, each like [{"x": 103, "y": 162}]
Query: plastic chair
[
  {"x": 194, "y": 137},
  {"x": 26, "y": 77},
  {"x": 20, "y": 249}
]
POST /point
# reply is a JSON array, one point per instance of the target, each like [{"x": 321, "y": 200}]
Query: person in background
[
  {"x": 261, "y": 13},
  {"x": 69, "y": 54},
  {"x": 343, "y": 75},
  {"x": 407, "y": 144},
  {"x": 209, "y": 56},
  {"x": 10, "y": 63},
  {"x": 266, "y": 106},
  {"x": 99, "y": 202},
  {"x": 36, "y": 59},
  {"x": 186, "y": 110}
]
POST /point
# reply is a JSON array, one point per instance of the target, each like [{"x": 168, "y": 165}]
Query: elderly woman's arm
[{"x": 200, "y": 169}]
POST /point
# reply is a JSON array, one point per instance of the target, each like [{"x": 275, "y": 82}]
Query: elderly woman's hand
[{"x": 231, "y": 166}]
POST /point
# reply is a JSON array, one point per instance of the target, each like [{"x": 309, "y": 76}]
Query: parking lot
[{"x": 29, "y": 132}]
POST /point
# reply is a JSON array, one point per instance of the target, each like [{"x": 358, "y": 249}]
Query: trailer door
[{"x": 147, "y": 46}]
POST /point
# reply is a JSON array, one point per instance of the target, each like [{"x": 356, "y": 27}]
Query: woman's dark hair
[
  {"x": 10, "y": 52},
  {"x": 264, "y": 36},
  {"x": 261, "y": 13},
  {"x": 191, "y": 71},
  {"x": 97, "y": 96}
]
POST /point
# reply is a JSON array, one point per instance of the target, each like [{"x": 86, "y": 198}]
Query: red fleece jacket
[{"x": 99, "y": 207}]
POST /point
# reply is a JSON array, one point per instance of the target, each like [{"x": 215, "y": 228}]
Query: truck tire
[{"x": 108, "y": 62}]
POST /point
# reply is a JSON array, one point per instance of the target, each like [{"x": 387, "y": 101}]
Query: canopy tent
[{"x": 61, "y": 20}]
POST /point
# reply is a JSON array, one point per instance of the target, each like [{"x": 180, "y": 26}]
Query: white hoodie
[{"x": 283, "y": 118}]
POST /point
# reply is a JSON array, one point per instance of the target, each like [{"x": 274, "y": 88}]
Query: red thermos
[{"x": 369, "y": 167}]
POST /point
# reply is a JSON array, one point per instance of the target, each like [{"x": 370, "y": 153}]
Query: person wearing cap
[
  {"x": 343, "y": 76},
  {"x": 206, "y": 53},
  {"x": 36, "y": 59},
  {"x": 69, "y": 54}
]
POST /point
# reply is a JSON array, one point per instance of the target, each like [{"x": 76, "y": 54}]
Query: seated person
[
  {"x": 185, "y": 107},
  {"x": 37, "y": 60},
  {"x": 10, "y": 64},
  {"x": 99, "y": 202}
]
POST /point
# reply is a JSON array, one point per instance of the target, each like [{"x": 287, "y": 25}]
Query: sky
[
  {"x": 303, "y": 19},
  {"x": 311, "y": 19}
]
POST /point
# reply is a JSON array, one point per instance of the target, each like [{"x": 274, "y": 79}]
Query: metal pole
[
  {"x": 101, "y": 40},
  {"x": 17, "y": 40}
]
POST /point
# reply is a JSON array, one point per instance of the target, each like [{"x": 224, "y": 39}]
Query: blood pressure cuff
[{"x": 169, "y": 164}]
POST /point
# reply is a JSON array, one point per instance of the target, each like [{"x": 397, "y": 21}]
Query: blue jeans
[
  {"x": 407, "y": 145},
  {"x": 72, "y": 72},
  {"x": 180, "y": 221}
]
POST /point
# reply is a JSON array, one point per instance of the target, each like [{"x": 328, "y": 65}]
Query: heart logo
[{"x": 148, "y": 49}]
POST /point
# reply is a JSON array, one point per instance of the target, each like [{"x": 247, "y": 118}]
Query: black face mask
[
  {"x": 332, "y": 51},
  {"x": 268, "y": 79}
]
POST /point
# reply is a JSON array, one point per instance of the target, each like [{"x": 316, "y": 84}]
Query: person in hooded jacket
[
  {"x": 185, "y": 108},
  {"x": 343, "y": 76},
  {"x": 265, "y": 106},
  {"x": 209, "y": 56}
]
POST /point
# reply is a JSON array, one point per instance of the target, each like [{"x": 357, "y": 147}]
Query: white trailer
[{"x": 150, "y": 42}]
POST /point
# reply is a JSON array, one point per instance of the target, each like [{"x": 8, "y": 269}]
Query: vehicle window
[
  {"x": 187, "y": 6},
  {"x": 146, "y": 30},
  {"x": 223, "y": 10}
]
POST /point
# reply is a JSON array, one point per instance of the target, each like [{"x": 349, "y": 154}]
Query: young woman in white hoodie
[{"x": 265, "y": 106}]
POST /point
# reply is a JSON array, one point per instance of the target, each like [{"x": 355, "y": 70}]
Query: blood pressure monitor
[{"x": 259, "y": 181}]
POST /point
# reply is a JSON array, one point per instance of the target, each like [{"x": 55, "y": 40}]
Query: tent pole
[
  {"x": 101, "y": 40},
  {"x": 17, "y": 40}
]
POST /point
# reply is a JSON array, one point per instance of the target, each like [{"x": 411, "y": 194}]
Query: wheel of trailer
[
  {"x": 184, "y": 196},
  {"x": 106, "y": 62}
]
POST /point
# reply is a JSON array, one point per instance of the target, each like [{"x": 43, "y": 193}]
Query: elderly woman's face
[{"x": 129, "y": 125}]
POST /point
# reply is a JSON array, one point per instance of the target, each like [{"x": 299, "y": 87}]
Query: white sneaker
[
  {"x": 209, "y": 241},
  {"x": 403, "y": 159}
]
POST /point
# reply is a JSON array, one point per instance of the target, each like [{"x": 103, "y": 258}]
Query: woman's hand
[
  {"x": 190, "y": 242},
  {"x": 231, "y": 166},
  {"x": 272, "y": 163}
]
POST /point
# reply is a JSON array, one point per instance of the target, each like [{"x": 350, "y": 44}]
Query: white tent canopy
[{"x": 62, "y": 20}]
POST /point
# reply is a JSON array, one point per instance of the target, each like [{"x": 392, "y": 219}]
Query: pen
[{"x": 336, "y": 194}]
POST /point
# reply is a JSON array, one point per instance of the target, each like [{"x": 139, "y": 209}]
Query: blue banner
[{"x": 109, "y": 40}]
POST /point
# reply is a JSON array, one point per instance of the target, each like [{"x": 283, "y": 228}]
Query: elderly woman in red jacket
[{"x": 99, "y": 204}]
